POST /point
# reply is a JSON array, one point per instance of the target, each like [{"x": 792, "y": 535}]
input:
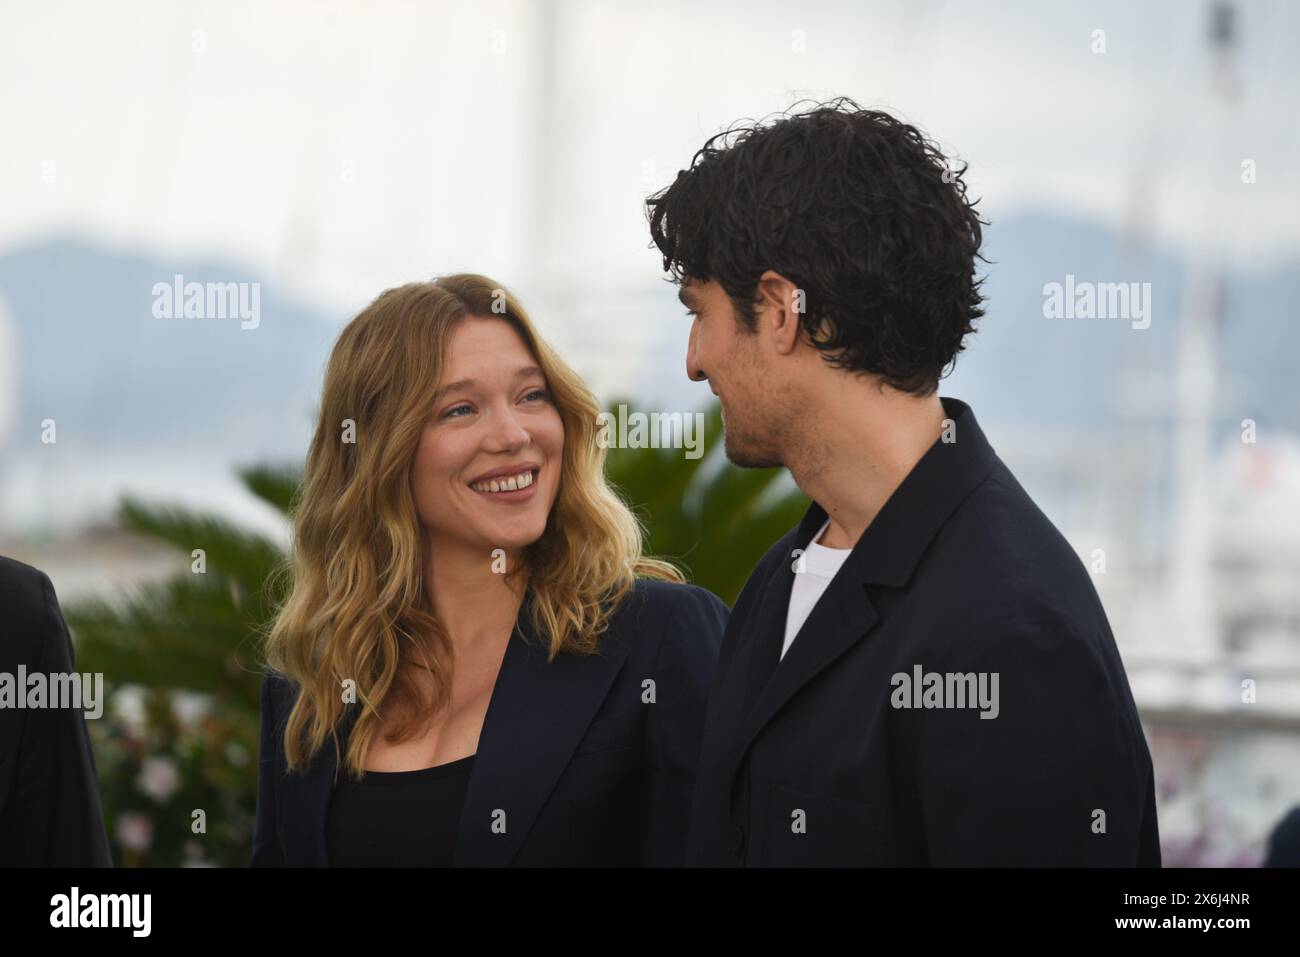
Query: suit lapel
[
  {"x": 537, "y": 715},
  {"x": 769, "y": 633},
  {"x": 842, "y": 616}
]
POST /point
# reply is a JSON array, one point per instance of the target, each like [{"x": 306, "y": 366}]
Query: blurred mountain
[{"x": 89, "y": 353}]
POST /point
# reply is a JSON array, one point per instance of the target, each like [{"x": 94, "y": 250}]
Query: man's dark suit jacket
[
  {"x": 959, "y": 573},
  {"x": 585, "y": 768},
  {"x": 50, "y": 814}
]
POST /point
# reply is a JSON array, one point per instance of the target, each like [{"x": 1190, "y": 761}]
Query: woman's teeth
[{"x": 511, "y": 483}]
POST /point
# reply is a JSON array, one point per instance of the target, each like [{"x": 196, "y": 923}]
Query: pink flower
[
  {"x": 158, "y": 778},
  {"x": 134, "y": 831}
]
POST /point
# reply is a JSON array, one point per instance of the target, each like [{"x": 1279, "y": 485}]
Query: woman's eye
[
  {"x": 538, "y": 393},
  {"x": 451, "y": 413}
]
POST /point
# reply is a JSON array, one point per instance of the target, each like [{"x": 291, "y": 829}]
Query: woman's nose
[{"x": 506, "y": 432}]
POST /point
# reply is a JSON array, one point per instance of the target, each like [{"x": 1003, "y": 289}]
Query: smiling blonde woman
[{"x": 476, "y": 665}]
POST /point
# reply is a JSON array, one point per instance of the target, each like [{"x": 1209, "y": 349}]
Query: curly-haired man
[{"x": 921, "y": 672}]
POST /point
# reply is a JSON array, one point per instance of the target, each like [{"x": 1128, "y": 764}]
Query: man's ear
[{"x": 782, "y": 304}]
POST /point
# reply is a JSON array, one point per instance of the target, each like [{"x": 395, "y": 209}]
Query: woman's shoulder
[
  {"x": 675, "y": 599},
  {"x": 674, "y": 632},
  {"x": 274, "y": 683},
  {"x": 279, "y": 693},
  {"x": 670, "y": 613}
]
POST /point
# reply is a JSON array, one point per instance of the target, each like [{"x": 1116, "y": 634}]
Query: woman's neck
[{"x": 473, "y": 598}]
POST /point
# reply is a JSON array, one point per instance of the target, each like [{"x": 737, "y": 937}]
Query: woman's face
[{"x": 493, "y": 425}]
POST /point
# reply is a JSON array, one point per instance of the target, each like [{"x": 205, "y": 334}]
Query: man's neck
[{"x": 864, "y": 445}]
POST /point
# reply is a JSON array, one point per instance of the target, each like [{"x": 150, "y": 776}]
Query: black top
[{"x": 398, "y": 818}]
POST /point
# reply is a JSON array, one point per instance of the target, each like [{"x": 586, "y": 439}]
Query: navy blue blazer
[
  {"x": 815, "y": 760},
  {"x": 587, "y": 769}
]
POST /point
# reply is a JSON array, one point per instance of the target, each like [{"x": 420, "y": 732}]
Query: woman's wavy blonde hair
[{"x": 358, "y": 607}]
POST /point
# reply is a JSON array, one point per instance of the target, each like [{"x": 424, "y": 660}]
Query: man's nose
[{"x": 693, "y": 370}]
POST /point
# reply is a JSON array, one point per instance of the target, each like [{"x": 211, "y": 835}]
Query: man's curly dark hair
[{"x": 856, "y": 208}]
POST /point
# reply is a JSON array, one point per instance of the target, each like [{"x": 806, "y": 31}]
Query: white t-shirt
[{"x": 819, "y": 566}]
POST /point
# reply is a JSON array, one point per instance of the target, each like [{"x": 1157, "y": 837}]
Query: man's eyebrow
[
  {"x": 521, "y": 373},
  {"x": 685, "y": 298}
]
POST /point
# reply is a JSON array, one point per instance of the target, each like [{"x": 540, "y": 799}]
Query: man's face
[{"x": 731, "y": 358}]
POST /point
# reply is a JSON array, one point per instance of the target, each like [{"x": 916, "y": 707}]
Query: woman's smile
[{"x": 509, "y": 487}]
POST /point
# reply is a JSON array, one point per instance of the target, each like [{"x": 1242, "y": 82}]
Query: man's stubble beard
[
  {"x": 745, "y": 453},
  {"x": 766, "y": 436}
]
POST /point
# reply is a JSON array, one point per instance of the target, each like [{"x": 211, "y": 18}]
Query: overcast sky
[{"x": 343, "y": 148}]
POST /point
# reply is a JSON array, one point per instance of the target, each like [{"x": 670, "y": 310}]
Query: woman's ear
[{"x": 781, "y": 308}]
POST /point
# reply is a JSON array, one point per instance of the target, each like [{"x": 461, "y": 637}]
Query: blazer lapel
[
  {"x": 536, "y": 717},
  {"x": 841, "y": 618},
  {"x": 768, "y": 634}
]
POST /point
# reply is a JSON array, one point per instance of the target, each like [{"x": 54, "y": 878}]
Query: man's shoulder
[
  {"x": 1012, "y": 561},
  {"x": 25, "y": 596},
  {"x": 22, "y": 586}
]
